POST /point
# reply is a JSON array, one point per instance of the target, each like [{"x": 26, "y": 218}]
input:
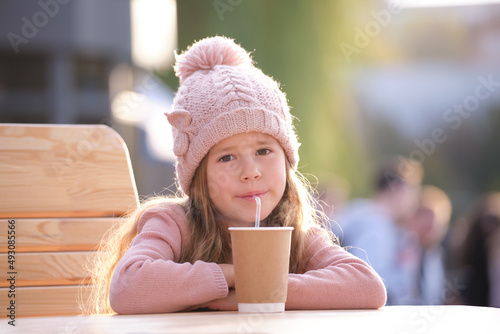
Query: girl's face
[{"x": 242, "y": 166}]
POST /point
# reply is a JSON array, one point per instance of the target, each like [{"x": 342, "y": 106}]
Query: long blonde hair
[{"x": 208, "y": 240}]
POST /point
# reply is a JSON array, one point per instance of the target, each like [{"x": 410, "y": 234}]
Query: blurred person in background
[
  {"x": 430, "y": 226},
  {"x": 373, "y": 229},
  {"x": 476, "y": 241}
]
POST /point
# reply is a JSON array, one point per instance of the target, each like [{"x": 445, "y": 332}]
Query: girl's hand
[
  {"x": 229, "y": 303},
  {"x": 228, "y": 271}
]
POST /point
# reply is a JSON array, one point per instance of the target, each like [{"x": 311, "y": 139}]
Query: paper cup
[{"x": 261, "y": 258}]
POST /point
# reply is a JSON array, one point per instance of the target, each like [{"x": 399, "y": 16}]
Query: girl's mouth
[{"x": 250, "y": 196}]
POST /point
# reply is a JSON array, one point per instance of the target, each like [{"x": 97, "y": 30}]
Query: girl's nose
[{"x": 250, "y": 171}]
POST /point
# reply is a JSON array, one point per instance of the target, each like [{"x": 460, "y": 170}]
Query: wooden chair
[{"x": 61, "y": 188}]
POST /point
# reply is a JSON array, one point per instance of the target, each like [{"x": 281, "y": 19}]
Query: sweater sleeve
[
  {"x": 334, "y": 279},
  {"x": 148, "y": 278}
]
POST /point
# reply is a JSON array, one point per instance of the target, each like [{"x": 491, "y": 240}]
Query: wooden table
[{"x": 390, "y": 319}]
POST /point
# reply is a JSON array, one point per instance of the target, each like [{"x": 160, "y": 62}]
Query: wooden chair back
[{"x": 61, "y": 188}]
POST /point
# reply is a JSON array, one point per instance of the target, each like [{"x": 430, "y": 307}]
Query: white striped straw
[{"x": 257, "y": 212}]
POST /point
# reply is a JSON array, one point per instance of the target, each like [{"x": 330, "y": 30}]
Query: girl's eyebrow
[
  {"x": 230, "y": 148},
  {"x": 264, "y": 142},
  {"x": 223, "y": 150}
]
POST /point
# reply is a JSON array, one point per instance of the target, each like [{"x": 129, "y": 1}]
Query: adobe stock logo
[
  {"x": 454, "y": 117},
  {"x": 225, "y": 6},
  {"x": 30, "y": 28},
  {"x": 364, "y": 36}
]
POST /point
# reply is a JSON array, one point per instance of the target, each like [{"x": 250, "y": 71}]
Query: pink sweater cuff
[{"x": 220, "y": 281}]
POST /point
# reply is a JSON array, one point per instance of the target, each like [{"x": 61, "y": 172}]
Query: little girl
[{"x": 233, "y": 139}]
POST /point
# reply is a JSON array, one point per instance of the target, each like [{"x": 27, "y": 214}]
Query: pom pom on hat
[{"x": 208, "y": 53}]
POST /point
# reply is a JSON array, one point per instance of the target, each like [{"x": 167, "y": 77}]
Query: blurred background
[{"x": 366, "y": 79}]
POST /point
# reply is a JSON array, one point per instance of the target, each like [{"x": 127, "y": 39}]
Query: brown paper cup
[{"x": 261, "y": 258}]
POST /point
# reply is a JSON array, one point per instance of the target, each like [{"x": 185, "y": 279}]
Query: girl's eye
[
  {"x": 263, "y": 151},
  {"x": 226, "y": 158}
]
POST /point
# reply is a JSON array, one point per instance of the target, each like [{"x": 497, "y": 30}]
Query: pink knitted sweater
[{"x": 149, "y": 279}]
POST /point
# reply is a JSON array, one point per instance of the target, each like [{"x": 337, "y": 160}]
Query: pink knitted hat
[{"x": 221, "y": 94}]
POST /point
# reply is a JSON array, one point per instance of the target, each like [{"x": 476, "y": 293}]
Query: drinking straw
[{"x": 257, "y": 212}]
